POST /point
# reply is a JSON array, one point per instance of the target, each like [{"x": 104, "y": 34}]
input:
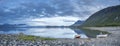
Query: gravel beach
[
  {"x": 112, "y": 40},
  {"x": 12, "y": 40}
]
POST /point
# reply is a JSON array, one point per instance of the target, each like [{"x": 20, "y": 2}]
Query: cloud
[
  {"x": 49, "y": 10},
  {"x": 85, "y": 8},
  {"x": 56, "y": 21}
]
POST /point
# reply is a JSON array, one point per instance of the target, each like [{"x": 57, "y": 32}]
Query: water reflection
[{"x": 45, "y": 32}]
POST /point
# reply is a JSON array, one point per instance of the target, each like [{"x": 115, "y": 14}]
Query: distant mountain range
[
  {"x": 78, "y": 23},
  {"x": 28, "y": 26},
  {"x": 106, "y": 17}
]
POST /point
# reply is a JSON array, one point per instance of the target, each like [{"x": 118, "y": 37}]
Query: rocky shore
[
  {"x": 13, "y": 40},
  {"x": 112, "y": 40}
]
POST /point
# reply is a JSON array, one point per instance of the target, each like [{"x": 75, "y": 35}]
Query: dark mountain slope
[
  {"x": 107, "y": 17},
  {"x": 79, "y": 22}
]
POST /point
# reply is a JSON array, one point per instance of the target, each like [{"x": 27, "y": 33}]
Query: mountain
[
  {"x": 12, "y": 25},
  {"x": 106, "y": 17},
  {"x": 79, "y": 22}
]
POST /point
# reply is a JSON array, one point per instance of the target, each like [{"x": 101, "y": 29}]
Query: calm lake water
[{"x": 46, "y": 32}]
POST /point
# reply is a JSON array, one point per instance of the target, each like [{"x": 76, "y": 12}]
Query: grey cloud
[{"x": 22, "y": 9}]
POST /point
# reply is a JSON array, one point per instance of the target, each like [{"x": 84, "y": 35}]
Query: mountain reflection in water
[{"x": 45, "y": 32}]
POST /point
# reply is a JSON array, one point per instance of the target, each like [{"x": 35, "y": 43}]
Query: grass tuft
[{"x": 33, "y": 38}]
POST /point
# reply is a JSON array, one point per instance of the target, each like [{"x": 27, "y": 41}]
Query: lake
[{"x": 48, "y": 32}]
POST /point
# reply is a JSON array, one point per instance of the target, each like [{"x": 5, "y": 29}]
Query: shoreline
[
  {"x": 111, "y": 40},
  {"x": 13, "y": 40}
]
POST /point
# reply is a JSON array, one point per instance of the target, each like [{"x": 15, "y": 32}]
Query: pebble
[{"x": 11, "y": 40}]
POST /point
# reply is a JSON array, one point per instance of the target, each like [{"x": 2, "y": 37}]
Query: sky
[{"x": 50, "y": 12}]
